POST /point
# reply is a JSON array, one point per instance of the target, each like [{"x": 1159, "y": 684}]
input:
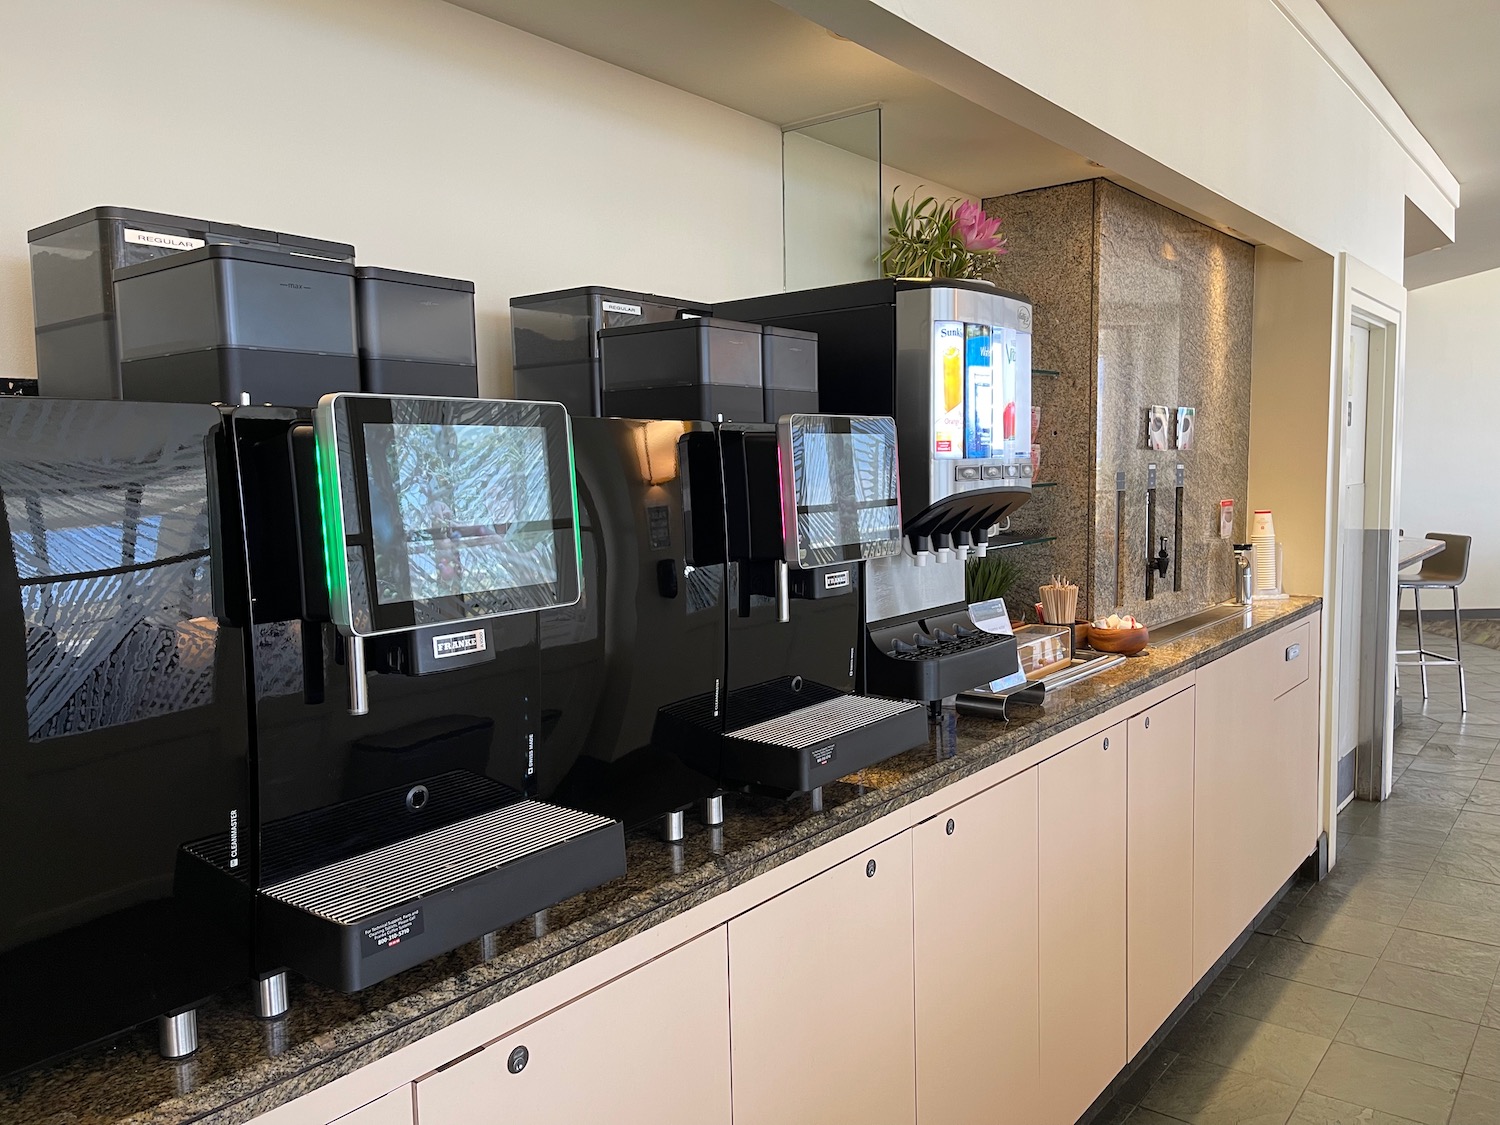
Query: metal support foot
[
  {"x": 271, "y": 996},
  {"x": 674, "y": 826},
  {"x": 1458, "y": 656},
  {"x": 177, "y": 1035},
  {"x": 713, "y": 810},
  {"x": 815, "y": 797}
]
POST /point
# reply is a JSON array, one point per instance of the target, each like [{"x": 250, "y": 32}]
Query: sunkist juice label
[{"x": 948, "y": 389}]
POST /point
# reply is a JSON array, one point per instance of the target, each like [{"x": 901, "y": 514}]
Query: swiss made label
[
  {"x": 458, "y": 644},
  {"x": 166, "y": 241},
  {"x": 390, "y": 933},
  {"x": 621, "y": 307},
  {"x": 824, "y": 754}
]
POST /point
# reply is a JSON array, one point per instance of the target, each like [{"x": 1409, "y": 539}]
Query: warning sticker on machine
[
  {"x": 824, "y": 754},
  {"x": 390, "y": 933}
]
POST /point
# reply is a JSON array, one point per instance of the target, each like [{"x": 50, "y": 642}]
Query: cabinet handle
[
  {"x": 949, "y": 826},
  {"x": 870, "y": 870},
  {"x": 518, "y": 1059},
  {"x": 1148, "y": 722}
]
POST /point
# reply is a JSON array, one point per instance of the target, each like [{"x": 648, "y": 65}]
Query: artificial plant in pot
[
  {"x": 950, "y": 239},
  {"x": 993, "y": 576}
]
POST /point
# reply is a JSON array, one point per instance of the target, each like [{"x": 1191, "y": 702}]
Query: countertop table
[
  {"x": 246, "y": 1067},
  {"x": 1409, "y": 552}
]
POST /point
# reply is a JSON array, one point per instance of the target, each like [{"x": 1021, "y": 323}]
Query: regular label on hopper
[{"x": 166, "y": 241}]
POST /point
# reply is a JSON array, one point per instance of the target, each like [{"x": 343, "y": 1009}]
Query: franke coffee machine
[
  {"x": 951, "y": 361},
  {"x": 124, "y": 729},
  {"x": 805, "y": 504},
  {"x": 399, "y": 551}
]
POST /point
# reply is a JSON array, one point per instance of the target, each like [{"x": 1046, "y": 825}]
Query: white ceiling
[
  {"x": 1441, "y": 60},
  {"x": 763, "y": 60}
]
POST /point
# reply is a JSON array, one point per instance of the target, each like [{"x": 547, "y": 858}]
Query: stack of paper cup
[{"x": 1263, "y": 539}]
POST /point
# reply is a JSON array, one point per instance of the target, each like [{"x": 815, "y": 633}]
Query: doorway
[{"x": 1361, "y": 696}]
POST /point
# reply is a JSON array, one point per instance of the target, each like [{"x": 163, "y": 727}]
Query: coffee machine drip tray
[
  {"x": 802, "y": 747},
  {"x": 355, "y": 922}
]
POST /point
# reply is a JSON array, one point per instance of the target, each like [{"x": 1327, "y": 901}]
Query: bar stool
[{"x": 1445, "y": 570}]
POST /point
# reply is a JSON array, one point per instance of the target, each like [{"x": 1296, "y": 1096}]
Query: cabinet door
[
  {"x": 392, "y": 1109},
  {"x": 1081, "y": 897},
  {"x": 821, "y": 983},
  {"x": 975, "y": 932},
  {"x": 648, "y": 1048},
  {"x": 1255, "y": 815},
  {"x": 1159, "y": 866}
]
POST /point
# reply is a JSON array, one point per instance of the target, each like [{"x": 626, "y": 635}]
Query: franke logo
[
  {"x": 836, "y": 580},
  {"x": 167, "y": 241},
  {"x": 458, "y": 644}
]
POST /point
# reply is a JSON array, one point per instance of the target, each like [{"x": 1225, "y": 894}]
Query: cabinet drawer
[
  {"x": 1289, "y": 655},
  {"x": 650, "y": 1048}
]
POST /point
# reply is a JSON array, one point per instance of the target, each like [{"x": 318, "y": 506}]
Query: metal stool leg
[
  {"x": 1416, "y": 596},
  {"x": 1398, "y": 643},
  {"x": 1458, "y": 655}
]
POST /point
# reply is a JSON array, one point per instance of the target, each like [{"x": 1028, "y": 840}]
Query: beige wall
[
  {"x": 1230, "y": 109},
  {"x": 1449, "y": 451},
  {"x": 432, "y": 138}
]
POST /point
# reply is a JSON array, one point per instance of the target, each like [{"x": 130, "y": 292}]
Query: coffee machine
[
  {"x": 124, "y": 723},
  {"x": 398, "y": 553},
  {"x": 806, "y": 505},
  {"x": 951, "y": 362}
]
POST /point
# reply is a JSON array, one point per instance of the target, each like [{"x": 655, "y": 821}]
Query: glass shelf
[
  {"x": 1047, "y": 371},
  {"x": 1044, "y": 484},
  {"x": 1004, "y": 541}
]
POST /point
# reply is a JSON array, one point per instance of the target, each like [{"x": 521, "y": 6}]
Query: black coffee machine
[
  {"x": 124, "y": 726},
  {"x": 805, "y": 503},
  {"x": 399, "y": 551}
]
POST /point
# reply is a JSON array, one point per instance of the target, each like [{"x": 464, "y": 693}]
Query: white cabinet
[
  {"x": 393, "y": 1109},
  {"x": 1255, "y": 781},
  {"x": 1081, "y": 916},
  {"x": 1159, "y": 866},
  {"x": 975, "y": 898},
  {"x": 649, "y": 1048},
  {"x": 821, "y": 976}
]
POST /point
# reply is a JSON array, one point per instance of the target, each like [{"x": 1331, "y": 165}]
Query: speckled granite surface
[{"x": 246, "y": 1067}]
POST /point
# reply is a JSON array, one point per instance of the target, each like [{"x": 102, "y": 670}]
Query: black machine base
[
  {"x": 931, "y": 656},
  {"x": 797, "y": 748},
  {"x": 358, "y": 921}
]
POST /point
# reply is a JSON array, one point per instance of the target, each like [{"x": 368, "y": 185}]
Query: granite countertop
[{"x": 245, "y": 1066}]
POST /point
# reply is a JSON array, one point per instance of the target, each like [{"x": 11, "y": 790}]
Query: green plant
[
  {"x": 931, "y": 239},
  {"x": 993, "y": 576}
]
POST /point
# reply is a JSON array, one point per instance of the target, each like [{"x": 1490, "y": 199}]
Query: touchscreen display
[
  {"x": 458, "y": 509},
  {"x": 843, "y": 489},
  {"x": 444, "y": 510}
]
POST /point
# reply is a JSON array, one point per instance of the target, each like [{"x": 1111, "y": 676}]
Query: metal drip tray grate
[
  {"x": 355, "y": 888},
  {"x": 831, "y": 719}
]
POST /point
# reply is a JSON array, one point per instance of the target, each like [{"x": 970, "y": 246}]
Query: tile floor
[{"x": 1371, "y": 997}]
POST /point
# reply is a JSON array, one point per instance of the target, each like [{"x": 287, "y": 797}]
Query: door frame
[{"x": 1367, "y": 297}]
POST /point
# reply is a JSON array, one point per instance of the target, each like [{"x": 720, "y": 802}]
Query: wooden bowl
[{"x": 1127, "y": 642}]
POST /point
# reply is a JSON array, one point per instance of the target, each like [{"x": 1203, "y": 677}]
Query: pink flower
[{"x": 978, "y": 231}]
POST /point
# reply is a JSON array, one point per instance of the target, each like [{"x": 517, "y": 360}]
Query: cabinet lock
[
  {"x": 949, "y": 826},
  {"x": 870, "y": 870}
]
